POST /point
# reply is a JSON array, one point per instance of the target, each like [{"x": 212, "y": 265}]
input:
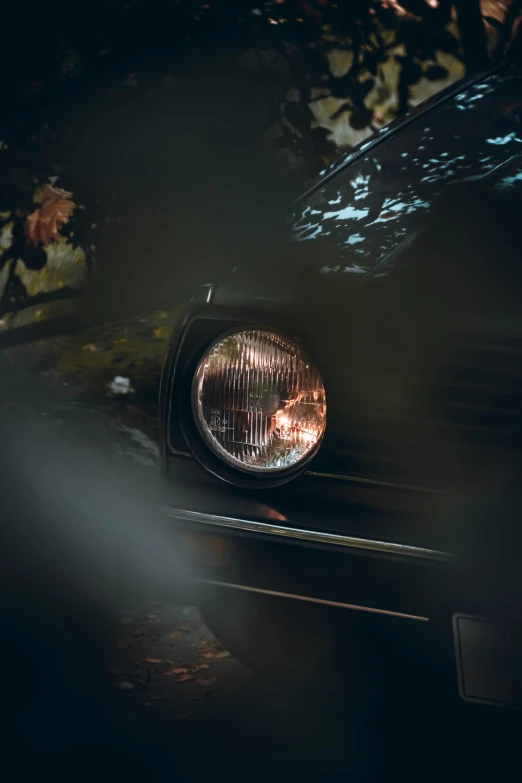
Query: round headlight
[{"x": 259, "y": 401}]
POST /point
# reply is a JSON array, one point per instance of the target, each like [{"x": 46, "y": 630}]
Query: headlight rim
[{"x": 204, "y": 454}]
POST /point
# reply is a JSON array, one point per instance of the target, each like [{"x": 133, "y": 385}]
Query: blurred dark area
[{"x": 171, "y": 171}]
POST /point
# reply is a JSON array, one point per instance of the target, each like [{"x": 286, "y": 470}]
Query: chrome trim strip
[
  {"x": 315, "y": 536},
  {"x": 312, "y": 600}
]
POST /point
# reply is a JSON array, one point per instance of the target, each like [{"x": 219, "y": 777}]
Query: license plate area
[{"x": 489, "y": 661}]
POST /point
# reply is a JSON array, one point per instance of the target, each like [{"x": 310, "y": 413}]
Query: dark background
[{"x": 178, "y": 168}]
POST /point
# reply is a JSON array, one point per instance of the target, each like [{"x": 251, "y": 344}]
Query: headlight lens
[{"x": 259, "y": 401}]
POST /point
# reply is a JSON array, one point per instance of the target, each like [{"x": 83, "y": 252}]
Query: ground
[{"x": 167, "y": 660}]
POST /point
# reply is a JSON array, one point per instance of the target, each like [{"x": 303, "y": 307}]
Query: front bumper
[
  {"x": 235, "y": 541},
  {"x": 397, "y": 596}
]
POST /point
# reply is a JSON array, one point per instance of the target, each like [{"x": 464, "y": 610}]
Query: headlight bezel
[
  {"x": 183, "y": 438},
  {"x": 216, "y": 447}
]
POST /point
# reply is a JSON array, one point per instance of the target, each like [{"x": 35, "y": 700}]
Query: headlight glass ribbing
[{"x": 259, "y": 401}]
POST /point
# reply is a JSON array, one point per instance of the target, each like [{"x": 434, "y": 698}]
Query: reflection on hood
[{"x": 385, "y": 195}]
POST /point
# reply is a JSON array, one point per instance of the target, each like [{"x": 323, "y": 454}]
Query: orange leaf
[
  {"x": 43, "y": 225},
  {"x": 212, "y": 652},
  {"x": 153, "y": 660},
  {"x": 206, "y": 682},
  {"x": 184, "y": 678},
  {"x": 179, "y": 632},
  {"x": 176, "y": 670}
]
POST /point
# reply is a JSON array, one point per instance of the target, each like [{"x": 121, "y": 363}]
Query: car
[{"x": 341, "y": 418}]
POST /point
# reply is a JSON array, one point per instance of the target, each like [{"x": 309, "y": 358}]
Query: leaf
[
  {"x": 179, "y": 632},
  {"x": 212, "y": 649},
  {"x": 198, "y": 667},
  {"x": 344, "y": 107},
  {"x": 184, "y": 678},
  {"x": 361, "y": 89},
  {"x": 360, "y": 118},
  {"x": 411, "y": 72},
  {"x": 153, "y": 660},
  {"x": 160, "y": 332},
  {"x": 216, "y": 654},
  {"x": 206, "y": 682},
  {"x": 43, "y": 225},
  {"x": 436, "y": 72},
  {"x": 176, "y": 670},
  {"x": 33, "y": 257}
]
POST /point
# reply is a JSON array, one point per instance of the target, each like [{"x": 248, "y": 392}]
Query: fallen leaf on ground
[
  {"x": 206, "y": 652},
  {"x": 198, "y": 667},
  {"x": 184, "y": 678},
  {"x": 153, "y": 660},
  {"x": 178, "y": 632},
  {"x": 160, "y": 332},
  {"x": 89, "y": 347},
  {"x": 206, "y": 682},
  {"x": 176, "y": 670},
  {"x": 125, "y": 686}
]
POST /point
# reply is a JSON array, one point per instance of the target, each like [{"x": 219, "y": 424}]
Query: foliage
[{"x": 64, "y": 53}]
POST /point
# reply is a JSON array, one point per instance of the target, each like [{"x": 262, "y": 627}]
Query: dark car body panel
[{"x": 424, "y": 389}]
